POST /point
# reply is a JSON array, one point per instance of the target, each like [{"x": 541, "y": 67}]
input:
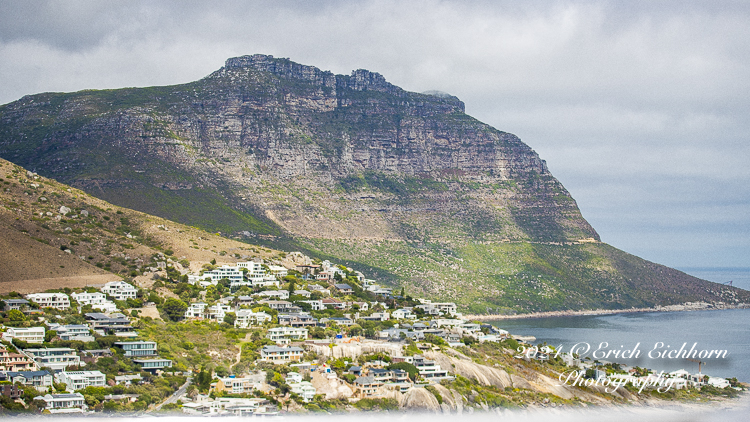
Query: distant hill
[
  {"x": 94, "y": 242},
  {"x": 403, "y": 185}
]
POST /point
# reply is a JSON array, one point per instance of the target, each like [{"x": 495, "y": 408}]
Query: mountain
[{"x": 404, "y": 185}]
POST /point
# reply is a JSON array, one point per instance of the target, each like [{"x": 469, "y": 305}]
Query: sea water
[{"x": 654, "y": 333}]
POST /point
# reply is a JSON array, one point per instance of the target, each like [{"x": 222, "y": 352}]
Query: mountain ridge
[{"x": 348, "y": 167}]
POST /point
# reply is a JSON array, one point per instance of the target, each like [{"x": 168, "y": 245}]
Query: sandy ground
[{"x": 42, "y": 284}]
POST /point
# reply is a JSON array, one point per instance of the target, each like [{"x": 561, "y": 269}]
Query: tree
[
  {"x": 229, "y": 318},
  {"x": 203, "y": 380},
  {"x": 408, "y": 367},
  {"x": 291, "y": 280},
  {"x": 16, "y": 316},
  {"x": 174, "y": 308},
  {"x": 49, "y": 335}
]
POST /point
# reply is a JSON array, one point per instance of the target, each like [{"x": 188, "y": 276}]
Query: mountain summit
[{"x": 348, "y": 167}]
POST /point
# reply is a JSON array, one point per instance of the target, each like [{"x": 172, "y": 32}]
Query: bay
[{"x": 709, "y": 330}]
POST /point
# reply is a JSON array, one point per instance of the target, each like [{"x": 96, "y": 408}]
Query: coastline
[{"x": 690, "y": 306}]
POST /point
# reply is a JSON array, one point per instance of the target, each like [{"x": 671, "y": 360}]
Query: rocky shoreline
[{"x": 689, "y": 306}]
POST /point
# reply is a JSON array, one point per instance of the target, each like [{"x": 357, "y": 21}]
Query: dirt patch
[
  {"x": 42, "y": 284},
  {"x": 148, "y": 311}
]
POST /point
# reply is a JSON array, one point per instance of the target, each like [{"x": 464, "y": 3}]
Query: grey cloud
[{"x": 640, "y": 107}]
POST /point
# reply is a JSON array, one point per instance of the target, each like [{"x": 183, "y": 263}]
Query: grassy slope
[
  {"x": 31, "y": 243},
  {"x": 526, "y": 277}
]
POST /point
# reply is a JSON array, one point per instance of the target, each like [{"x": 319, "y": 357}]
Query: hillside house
[
  {"x": 36, "y": 379},
  {"x": 50, "y": 300},
  {"x": 55, "y": 358},
  {"x": 246, "y": 318},
  {"x": 15, "y": 361},
  {"x": 137, "y": 348},
  {"x": 281, "y": 355},
  {"x": 78, "y": 380},
  {"x": 96, "y": 300},
  {"x": 64, "y": 403},
  {"x": 29, "y": 335},
  {"x": 286, "y": 335},
  {"x": 120, "y": 290}
]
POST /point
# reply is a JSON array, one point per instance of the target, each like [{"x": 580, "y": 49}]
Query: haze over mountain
[{"x": 403, "y": 185}]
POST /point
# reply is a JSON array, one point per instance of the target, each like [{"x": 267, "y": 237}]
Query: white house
[
  {"x": 285, "y": 335},
  {"x": 233, "y": 274},
  {"x": 304, "y": 389},
  {"x": 50, "y": 300},
  {"x": 120, "y": 290},
  {"x": 196, "y": 310},
  {"x": 246, "y": 318},
  {"x": 72, "y": 332},
  {"x": 276, "y": 294},
  {"x": 403, "y": 314},
  {"x": 77, "y": 380},
  {"x": 218, "y": 311},
  {"x": 96, "y": 300},
  {"x": 29, "y": 335},
  {"x": 55, "y": 358},
  {"x": 278, "y": 271},
  {"x": 317, "y": 305},
  {"x": 63, "y": 403},
  {"x": 437, "y": 308}
]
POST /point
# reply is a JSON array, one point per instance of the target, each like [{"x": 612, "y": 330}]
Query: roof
[
  {"x": 271, "y": 349},
  {"x": 28, "y": 374},
  {"x": 16, "y": 301},
  {"x": 366, "y": 380},
  {"x": 343, "y": 286}
]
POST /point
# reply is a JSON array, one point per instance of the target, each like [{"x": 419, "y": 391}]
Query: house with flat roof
[
  {"x": 29, "y": 335},
  {"x": 367, "y": 387},
  {"x": 102, "y": 324},
  {"x": 286, "y": 335},
  {"x": 196, "y": 310},
  {"x": 153, "y": 364},
  {"x": 120, "y": 290},
  {"x": 97, "y": 301},
  {"x": 280, "y": 355},
  {"x": 72, "y": 332},
  {"x": 56, "y": 358},
  {"x": 246, "y": 318},
  {"x": 298, "y": 320},
  {"x": 232, "y": 273},
  {"x": 236, "y": 385},
  {"x": 78, "y": 380},
  {"x": 137, "y": 348}
]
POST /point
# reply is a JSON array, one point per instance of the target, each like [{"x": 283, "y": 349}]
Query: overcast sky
[{"x": 641, "y": 109}]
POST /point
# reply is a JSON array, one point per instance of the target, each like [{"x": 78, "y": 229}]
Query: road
[{"x": 174, "y": 397}]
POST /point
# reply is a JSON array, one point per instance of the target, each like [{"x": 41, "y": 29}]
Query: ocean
[{"x": 658, "y": 336}]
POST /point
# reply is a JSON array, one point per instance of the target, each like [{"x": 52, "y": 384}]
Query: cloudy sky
[{"x": 640, "y": 108}]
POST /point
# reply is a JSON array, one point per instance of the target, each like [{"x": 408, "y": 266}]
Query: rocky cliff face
[
  {"x": 349, "y": 166},
  {"x": 358, "y": 155}
]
